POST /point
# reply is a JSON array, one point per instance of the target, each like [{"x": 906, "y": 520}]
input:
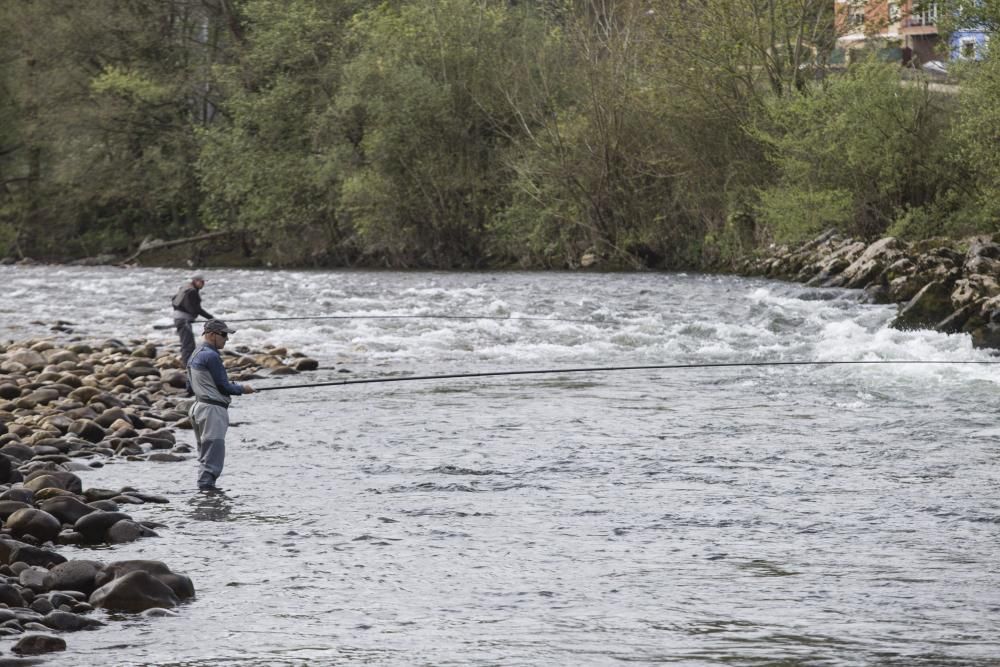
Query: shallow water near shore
[{"x": 801, "y": 515}]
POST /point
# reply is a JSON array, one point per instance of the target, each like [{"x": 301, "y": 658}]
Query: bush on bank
[{"x": 450, "y": 134}]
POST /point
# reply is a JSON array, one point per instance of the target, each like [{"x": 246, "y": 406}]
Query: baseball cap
[{"x": 217, "y": 326}]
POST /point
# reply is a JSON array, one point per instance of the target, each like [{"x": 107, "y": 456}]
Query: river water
[{"x": 792, "y": 515}]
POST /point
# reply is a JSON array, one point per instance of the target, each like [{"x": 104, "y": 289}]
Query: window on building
[
  {"x": 967, "y": 49},
  {"x": 855, "y": 12},
  {"x": 924, "y": 13}
]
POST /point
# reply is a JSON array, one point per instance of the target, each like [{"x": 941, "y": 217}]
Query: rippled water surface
[{"x": 792, "y": 515}]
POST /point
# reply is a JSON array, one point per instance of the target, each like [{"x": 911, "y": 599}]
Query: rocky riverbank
[
  {"x": 945, "y": 285},
  {"x": 66, "y": 408}
]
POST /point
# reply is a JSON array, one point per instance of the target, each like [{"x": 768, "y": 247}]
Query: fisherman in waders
[
  {"x": 187, "y": 307},
  {"x": 209, "y": 382}
]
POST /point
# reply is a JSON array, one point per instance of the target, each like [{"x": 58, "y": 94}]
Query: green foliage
[
  {"x": 109, "y": 95},
  {"x": 609, "y": 162},
  {"x": 748, "y": 44},
  {"x": 451, "y": 133},
  {"x": 916, "y": 223},
  {"x": 422, "y": 122},
  {"x": 859, "y": 151},
  {"x": 117, "y": 81},
  {"x": 547, "y": 221},
  {"x": 8, "y": 238},
  {"x": 975, "y": 135},
  {"x": 265, "y": 169},
  {"x": 797, "y": 213},
  {"x": 970, "y": 14},
  {"x": 12, "y": 167}
]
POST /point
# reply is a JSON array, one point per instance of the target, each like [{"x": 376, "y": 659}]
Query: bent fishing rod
[
  {"x": 607, "y": 369},
  {"x": 403, "y": 317}
]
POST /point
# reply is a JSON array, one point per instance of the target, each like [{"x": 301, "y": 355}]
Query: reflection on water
[{"x": 213, "y": 506}]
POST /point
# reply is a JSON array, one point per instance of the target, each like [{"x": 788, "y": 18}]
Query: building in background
[
  {"x": 907, "y": 31},
  {"x": 968, "y": 44},
  {"x": 919, "y": 29},
  {"x": 866, "y": 26}
]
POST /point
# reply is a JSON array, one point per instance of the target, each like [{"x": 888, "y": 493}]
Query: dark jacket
[{"x": 188, "y": 300}]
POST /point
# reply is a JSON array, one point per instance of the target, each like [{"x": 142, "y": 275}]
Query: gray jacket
[{"x": 207, "y": 377}]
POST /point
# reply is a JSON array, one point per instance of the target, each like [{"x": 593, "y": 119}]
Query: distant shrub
[
  {"x": 794, "y": 214},
  {"x": 855, "y": 153}
]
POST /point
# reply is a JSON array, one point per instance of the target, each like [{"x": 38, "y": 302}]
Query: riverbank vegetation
[{"x": 468, "y": 134}]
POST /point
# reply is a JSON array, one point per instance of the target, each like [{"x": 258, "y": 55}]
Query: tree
[
  {"x": 271, "y": 169},
  {"x": 422, "y": 125},
  {"x": 859, "y": 154},
  {"x": 12, "y": 177},
  {"x": 595, "y": 158},
  {"x": 977, "y": 137},
  {"x": 784, "y": 43},
  {"x": 109, "y": 94},
  {"x": 971, "y": 15}
]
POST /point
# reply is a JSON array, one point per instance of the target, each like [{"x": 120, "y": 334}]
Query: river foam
[{"x": 835, "y": 515}]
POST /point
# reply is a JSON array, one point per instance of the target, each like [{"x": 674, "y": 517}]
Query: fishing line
[
  {"x": 606, "y": 369},
  {"x": 403, "y": 317}
]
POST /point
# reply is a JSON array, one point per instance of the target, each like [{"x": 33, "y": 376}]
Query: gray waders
[
  {"x": 187, "y": 339},
  {"x": 210, "y": 424}
]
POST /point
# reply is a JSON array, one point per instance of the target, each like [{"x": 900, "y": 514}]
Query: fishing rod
[
  {"x": 403, "y": 317},
  {"x": 606, "y": 369}
]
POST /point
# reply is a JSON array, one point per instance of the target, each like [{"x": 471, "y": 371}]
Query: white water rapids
[{"x": 814, "y": 515}]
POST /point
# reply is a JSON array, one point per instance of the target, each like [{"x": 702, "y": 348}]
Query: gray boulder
[
  {"x": 86, "y": 429},
  {"x": 982, "y": 247},
  {"x": 94, "y": 493},
  {"x": 984, "y": 325},
  {"x": 106, "y": 505},
  {"x": 68, "y": 622},
  {"x": 30, "y": 521},
  {"x": 10, "y": 596},
  {"x": 67, "y": 509},
  {"x": 134, "y": 592},
  {"x": 94, "y": 526},
  {"x": 33, "y": 578},
  {"x": 14, "y": 551},
  {"x": 306, "y": 364},
  {"x": 8, "y": 507},
  {"x": 973, "y": 288},
  {"x": 180, "y": 584},
  {"x": 31, "y": 555},
  {"x": 63, "y": 480},
  {"x": 18, "y": 450},
  {"x": 28, "y": 358},
  {"x": 84, "y": 394},
  {"x": 869, "y": 264},
  {"x": 984, "y": 265},
  {"x": 955, "y": 322},
  {"x": 74, "y": 575},
  {"x": 110, "y": 416},
  {"x": 38, "y": 644},
  {"x": 930, "y": 306},
  {"x": 125, "y": 531}
]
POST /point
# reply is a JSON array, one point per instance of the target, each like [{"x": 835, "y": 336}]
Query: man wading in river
[
  {"x": 187, "y": 307},
  {"x": 209, "y": 382}
]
